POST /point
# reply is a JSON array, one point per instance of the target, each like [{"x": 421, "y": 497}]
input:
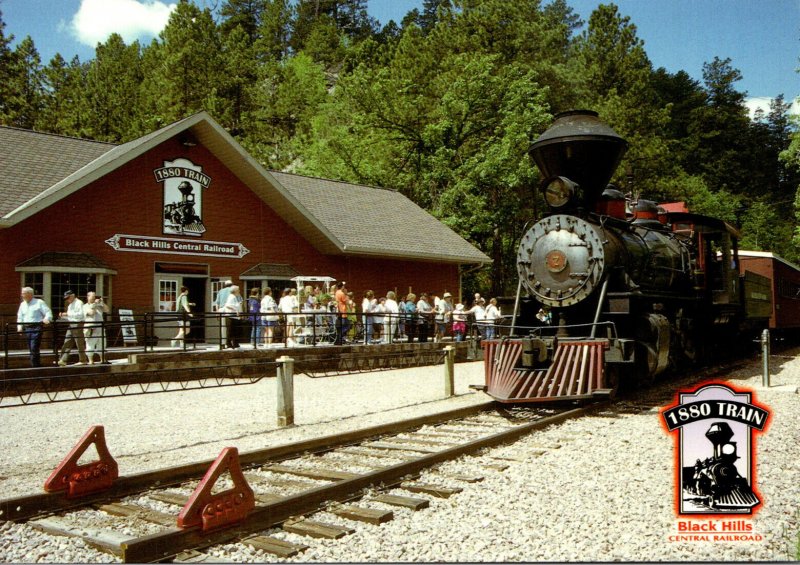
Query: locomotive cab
[{"x": 716, "y": 264}]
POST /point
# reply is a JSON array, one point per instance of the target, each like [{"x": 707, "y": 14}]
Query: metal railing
[{"x": 150, "y": 330}]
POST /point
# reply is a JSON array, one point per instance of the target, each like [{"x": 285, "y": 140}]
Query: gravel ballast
[{"x": 606, "y": 494}]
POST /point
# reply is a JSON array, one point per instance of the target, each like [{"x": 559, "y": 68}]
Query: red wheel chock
[
  {"x": 213, "y": 511},
  {"x": 80, "y": 480}
]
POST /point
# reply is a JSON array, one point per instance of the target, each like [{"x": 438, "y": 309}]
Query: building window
[
  {"x": 79, "y": 283},
  {"x": 216, "y": 285},
  {"x": 167, "y": 295},
  {"x": 36, "y": 282}
]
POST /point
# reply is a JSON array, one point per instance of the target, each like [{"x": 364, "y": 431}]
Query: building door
[
  {"x": 167, "y": 288},
  {"x": 197, "y": 294}
]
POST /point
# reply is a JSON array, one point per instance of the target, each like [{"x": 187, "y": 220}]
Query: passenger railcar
[
  {"x": 784, "y": 282},
  {"x": 634, "y": 288}
]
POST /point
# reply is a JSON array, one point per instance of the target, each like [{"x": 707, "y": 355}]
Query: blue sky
[{"x": 762, "y": 38}]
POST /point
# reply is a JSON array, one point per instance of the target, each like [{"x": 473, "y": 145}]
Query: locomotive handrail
[{"x": 539, "y": 331}]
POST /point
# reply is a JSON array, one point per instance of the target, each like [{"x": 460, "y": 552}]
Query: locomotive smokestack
[
  {"x": 719, "y": 433},
  {"x": 582, "y": 148}
]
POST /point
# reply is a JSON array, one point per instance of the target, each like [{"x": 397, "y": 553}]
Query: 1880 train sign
[
  {"x": 183, "y": 196},
  {"x": 715, "y": 459}
]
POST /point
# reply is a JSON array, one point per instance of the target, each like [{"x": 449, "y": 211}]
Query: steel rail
[
  {"x": 30, "y": 506},
  {"x": 166, "y": 544}
]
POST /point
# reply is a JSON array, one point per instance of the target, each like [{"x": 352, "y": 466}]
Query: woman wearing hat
[{"x": 459, "y": 322}]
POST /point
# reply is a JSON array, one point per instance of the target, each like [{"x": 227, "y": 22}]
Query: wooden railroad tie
[
  {"x": 99, "y": 538},
  {"x": 139, "y": 513},
  {"x": 399, "y": 447},
  {"x": 367, "y": 452},
  {"x": 169, "y": 498},
  {"x": 433, "y": 490},
  {"x": 194, "y": 556},
  {"x": 318, "y": 474},
  {"x": 403, "y": 501},
  {"x": 495, "y": 466},
  {"x": 314, "y": 529},
  {"x": 275, "y": 546},
  {"x": 463, "y": 478},
  {"x": 360, "y": 514}
]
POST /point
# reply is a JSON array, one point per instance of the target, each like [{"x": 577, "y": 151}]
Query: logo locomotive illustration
[
  {"x": 716, "y": 455},
  {"x": 183, "y": 196}
]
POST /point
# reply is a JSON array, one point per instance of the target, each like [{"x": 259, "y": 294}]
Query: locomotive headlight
[{"x": 559, "y": 191}]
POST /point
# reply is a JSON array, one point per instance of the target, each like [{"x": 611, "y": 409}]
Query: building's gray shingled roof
[
  {"x": 37, "y": 169},
  {"x": 375, "y": 220},
  {"x": 65, "y": 259},
  {"x": 33, "y": 162},
  {"x": 270, "y": 271}
]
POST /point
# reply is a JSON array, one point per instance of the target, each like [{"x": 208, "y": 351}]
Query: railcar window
[{"x": 788, "y": 289}]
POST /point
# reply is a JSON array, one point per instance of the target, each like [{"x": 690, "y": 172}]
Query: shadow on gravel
[{"x": 662, "y": 392}]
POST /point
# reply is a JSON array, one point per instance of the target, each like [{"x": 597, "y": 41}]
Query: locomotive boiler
[{"x": 634, "y": 288}]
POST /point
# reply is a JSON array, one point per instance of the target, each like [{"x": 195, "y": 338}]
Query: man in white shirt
[
  {"x": 32, "y": 314},
  {"x": 444, "y": 314},
  {"x": 219, "y": 306},
  {"x": 74, "y": 335},
  {"x": 232, "y": 309}
]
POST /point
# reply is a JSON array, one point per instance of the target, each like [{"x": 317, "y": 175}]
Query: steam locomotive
[
  {"x": 634, "y": 288},
  {"x": 715, "y": 482},
  {"x": 180, "y": 217}
]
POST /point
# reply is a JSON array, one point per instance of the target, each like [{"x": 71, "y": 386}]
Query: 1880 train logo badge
[
  {"x": 183, "y": 196},
  {"x": 716, "y": 427}
]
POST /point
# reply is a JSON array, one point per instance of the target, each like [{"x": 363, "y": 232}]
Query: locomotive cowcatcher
[{"x": 633, "y": 288}]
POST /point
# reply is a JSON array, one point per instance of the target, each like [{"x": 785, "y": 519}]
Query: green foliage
[
  {"x": 25, "y": 87},
  {"x": 442, "y": 107},
  {"x": 190, "y": 73},
  {"x": 285, "y": 101},
  {"x": 112, "y": 82},
  {"x": 700, "y": 198},
  {"x": 65, "y": 107}
]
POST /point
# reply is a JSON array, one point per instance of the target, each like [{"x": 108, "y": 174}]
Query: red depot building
[{"x": 187, "y": 206}]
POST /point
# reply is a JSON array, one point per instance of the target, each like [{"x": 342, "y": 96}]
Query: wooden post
[
  {"x": 449, "y": 370},
  {"x": 285, "y": 395}
]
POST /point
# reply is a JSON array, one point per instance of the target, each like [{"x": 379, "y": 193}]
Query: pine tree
[
  {"x": 718, "y": 150},
  {"x": 25, "y": 86},
  {"x": 112, "y": 83},
  {"x": 246, "y": 14},
  {"x": 6, "y": 74},
  {"x": 65, "y": 108},
  {"x": 188, "y": 76}
]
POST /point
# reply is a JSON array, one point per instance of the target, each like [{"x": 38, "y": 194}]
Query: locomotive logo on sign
[
  {"x": 183, "y": 196},
  {"x": 715, "y": 459}
]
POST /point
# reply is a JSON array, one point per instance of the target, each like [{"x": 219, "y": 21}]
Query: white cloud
[
  {"x": 97, "y": 19},
  {"x": 763, "y": 102}
]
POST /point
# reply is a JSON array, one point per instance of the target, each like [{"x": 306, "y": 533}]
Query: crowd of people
[
  {"x": 383, "y": 319},
  {"x": 85, "y": 330}
]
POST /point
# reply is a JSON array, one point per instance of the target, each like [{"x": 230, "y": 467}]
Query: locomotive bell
[{"x": 581, "y": 148}]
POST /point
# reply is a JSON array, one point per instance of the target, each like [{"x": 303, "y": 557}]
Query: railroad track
[{"x": 137, "y": 518}]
